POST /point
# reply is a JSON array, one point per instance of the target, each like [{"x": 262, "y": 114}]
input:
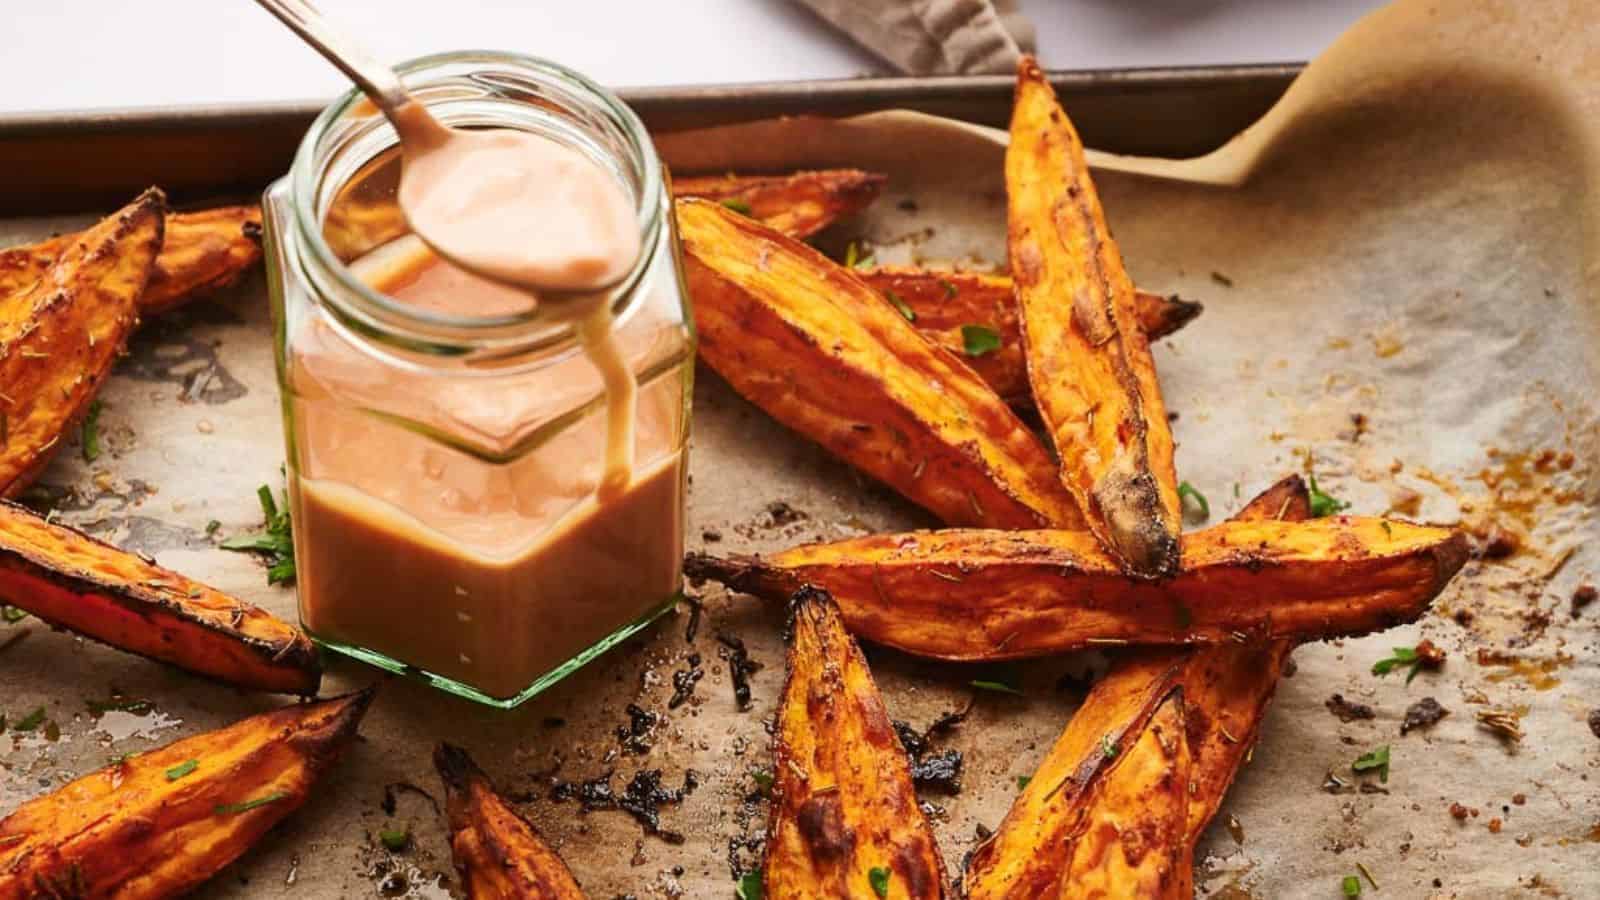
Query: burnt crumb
[
  {"x": 1347, "y": 710},
  {"x": 692, "y": 629},
  {"x": 1221, "y": 279},
  {"x": 780, "y": 513},
  {"x": 636, "y": 736},
  {"x": 1423, "y": 714},
  {"x": 1290, "y": 667},
  {"x": 711, "y": 535},
  {"x": 684, "y": 680},
  {"x": 642, "y": 798},
  {"x": 1359, "y": 425},
  {"x": 1582, "y": 597},
  {"x": 391, "y": 790},
  {"x": 1594, "y": 721},
  {"x": 740, "y": 667},
  {"x": 907, "y": 205},
  {"x": 947, "y": 721},
  {"x": 1492, "y": 542},
  {"x": 251, "y": 230},
  {"x": 935, "y": 771},
  {"x": 745, "y": 853},
  {"x": 553, "y": 722}
]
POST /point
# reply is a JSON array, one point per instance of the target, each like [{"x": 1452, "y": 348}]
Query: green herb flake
[
  {"x": 29, "y": 722},
  {"x": 749, "y": 886},
  {"x": 91, "y": 432},
  {"x": 1324, "y": 504},
  {"x": 950, "y": 290},
  {"x": 1374, "y": 761},
  {"x": 878, "y": 877},
  {"x": 1187, "y": 493},
  {"x": 230, "y": 809},
  {"x": 737, "y": 205},
  {"x": 395, "y": 840},
  {"x": 1402, "y": 656},
  {"x": 1351, "y": 886},
  {"x": 900, "y": 304},
  {"x": 1023, "y": 780},
  {"x": 1108, "y": 747},
  {"x": 212, "y": 526},
  {"x": 978, "y": 340},
  {"x": 855, "y": 259},
  {"x": 763, "y": 780},
  {"x": 12, "y": 615},
  {"x": 119, "y": 703},
  {"x": 276, "y": 541},
  {"x": 182, "y": 769},
  {"x": 998, "y": 687}
]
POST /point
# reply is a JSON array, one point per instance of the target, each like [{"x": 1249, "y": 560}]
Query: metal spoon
[{"x": 419, "y": 131}]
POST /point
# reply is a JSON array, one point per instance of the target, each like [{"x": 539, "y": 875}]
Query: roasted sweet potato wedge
[
  {"x": 499, "y": 855},
  {"x": 1220, "y": 692},
  {"x": 157, "y": 824},
  {"x": 1094, "y": 381},
  {"x": 823, "y": 353},
  {"x": 943, "y": 302},
  {"x": 986, "y": 595},
  {"x": 75, "y": 582},
  {"x": 60, "y": 335},
  {"x": 799, "y": 204},
  {"x": 201, "y": 251},
  {"x": 845, "y": 820}
]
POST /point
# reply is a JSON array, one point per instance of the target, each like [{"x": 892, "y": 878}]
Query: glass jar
[{"x": 442, "y": 467}]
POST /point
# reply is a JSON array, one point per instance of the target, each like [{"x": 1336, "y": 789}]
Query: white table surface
[{"x": 76, "y": 54}]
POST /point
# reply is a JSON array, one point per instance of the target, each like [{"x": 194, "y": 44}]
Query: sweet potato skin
[
  {"x": 1224, "y": 690},
  {"x": 798, "y": 204},
  {"x": 60, "y": 336},
  {"x": 201, "y": 251},
  {"x": 824, "y": 354},
  {"x": 132, "y": 831},
  {"x": 499, "y": 854},
  {"x": 842, "y": 797},
  {"x": 943, "y": 301},
  {"x": 75, "y": 582},
  {"x": 969, "y": 594},
  {"x": 1089, "y": 363}
]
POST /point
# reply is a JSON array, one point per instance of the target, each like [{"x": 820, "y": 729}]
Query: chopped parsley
[
  {"x": 395, "y": 840},
  {"x": 1187, "y": 493},
  {"x": 1351, "y": 886},
  {"x": 1374, "y": 761},
  {"x": 899, "y": 303},
  {"x": 1402, "y": 656},
  {"x": 853, "y": 258},
  {"x": 182, "y": 769},
  {"x": 949, "y": 288},
  {"x": 999, "y": 687},
  {"x": 978, "y": 340},
  {"x": 1325, "y": 504},
  {"x": 737, "y": 205},
  {"x": 878, "y": 877},
  {"x": 763, "y": 780},
  {"x": 11, "y": 614},
  {"x": 1023, "y": 780},
  {"x": 276, "y": 542},
  {"x": 29, "y": 722},
  {"x": 1108, "y": 747},
  {"x": 212, "y": 526},
  {"x": 229, "y": 809},
  {"x": 749, "y": 886},
  {"x": 91, "y": 432}
]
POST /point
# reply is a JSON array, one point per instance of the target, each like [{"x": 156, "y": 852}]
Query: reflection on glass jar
[{"x": 443, "y": 465}]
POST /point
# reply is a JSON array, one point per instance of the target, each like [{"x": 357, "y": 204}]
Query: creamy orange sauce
[{"x": 489, "y": 572}]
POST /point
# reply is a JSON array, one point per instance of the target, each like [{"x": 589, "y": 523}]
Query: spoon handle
[{"x": 375, "y": 79}]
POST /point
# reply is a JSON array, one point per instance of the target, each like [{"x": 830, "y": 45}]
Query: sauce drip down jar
[{"x": 444, "y": 436}]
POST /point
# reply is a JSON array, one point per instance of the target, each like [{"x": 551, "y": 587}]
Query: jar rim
[{"x": 438, "y": 328}]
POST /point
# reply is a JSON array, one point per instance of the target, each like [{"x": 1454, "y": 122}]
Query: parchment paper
[{"x": 1408, "y": 239}]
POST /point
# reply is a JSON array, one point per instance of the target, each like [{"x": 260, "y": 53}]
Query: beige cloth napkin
[{"x": 934, "y": 37}]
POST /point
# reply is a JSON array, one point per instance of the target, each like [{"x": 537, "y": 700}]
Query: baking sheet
[{"x": 1411, "y": 243}]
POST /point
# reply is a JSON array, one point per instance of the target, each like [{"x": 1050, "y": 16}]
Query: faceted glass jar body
[{"x": 441, "y": 465}]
